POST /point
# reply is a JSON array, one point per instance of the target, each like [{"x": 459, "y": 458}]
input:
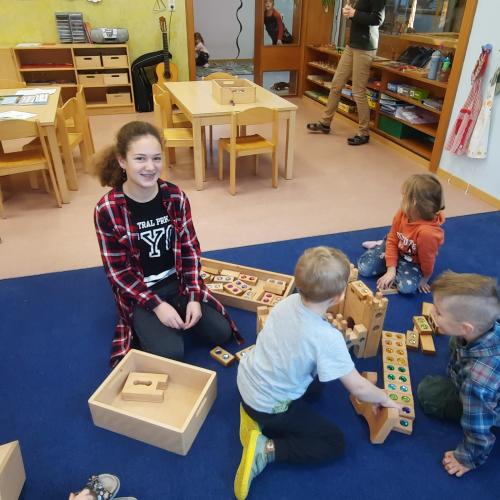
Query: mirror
[{"x": 281, "y": 22}]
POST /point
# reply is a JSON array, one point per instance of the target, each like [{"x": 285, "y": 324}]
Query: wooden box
[
  {"x": 237, "y": 91},
  {"x": 83, "y": 62},
  {"x": 241, "y": 302},
  {"x": 118, "y": 97},
  {"x": 115, "y": 78},
  {"x": 12, "y": 475},
  {"x": 91, "y": 79},
  {"x": 172, "y": 424},
  {"x": 115, "y": 61}
]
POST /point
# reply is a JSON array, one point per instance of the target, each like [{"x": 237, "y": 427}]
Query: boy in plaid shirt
[{"x": 468, "y": 310}]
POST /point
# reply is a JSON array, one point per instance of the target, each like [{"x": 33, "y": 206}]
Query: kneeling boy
[
  {"x": 468, "y": 310},
  {"x": 296, "y": 345}
]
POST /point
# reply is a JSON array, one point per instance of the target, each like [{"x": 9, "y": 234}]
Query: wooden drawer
[
  {"x": 88, "y": 62},
  {"x": 118, "y": 98},
  {"x": 115, "y": 78},
  {"x": 115, "y": 61},
  {"x": 171, "y": 424},
  {"x": 91, "y": 79}
]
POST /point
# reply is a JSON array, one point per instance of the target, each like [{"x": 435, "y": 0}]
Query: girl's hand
[
  {"x": 169, "y": 316},
  {"x": 452, "y": 466},
  {"x": 387, "y": 280},
  {"x": 279, "y": 42},
  {"x": 193, "y": 314},
  {"x": 423, "y": 286},
  {"x": 348, "y": 11}
]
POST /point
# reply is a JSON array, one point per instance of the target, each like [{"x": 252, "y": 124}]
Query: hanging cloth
[
  {"x": 461, "y": 132},
  {"x": 478, "y": 145}
]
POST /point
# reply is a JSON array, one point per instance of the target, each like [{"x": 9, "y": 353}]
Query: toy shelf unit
[
  {"x": 405, "y": 105},
  {"x": 103, "y": 71}
]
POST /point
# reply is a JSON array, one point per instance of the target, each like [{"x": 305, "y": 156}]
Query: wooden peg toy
[
  {"x": 205, "y": 276},
  {"x": 421, "y": 325},
  {"x": 244, "y": 352},
  {"x": 145, "y": 387},
  {"x": 229, "y": 272},
  {"x": 392, "y": 290},
  {"x": 248, "y": 279},
  {"x": 274, "y": 286},
  {"x": 267, "y": 298},
  {"x": 215, "y": 287},
  {"x": 232, "y": 289},
  {"x": 412, "y": 340},
  {"x": 353, "y": 273},
  {"x": 249, "y": 294},
  {"x": 222, "y": 356},
  {"x": 223, "y": 279},
  {"x": 210, "y": 270},
  {"x": 241, "y": 284}
]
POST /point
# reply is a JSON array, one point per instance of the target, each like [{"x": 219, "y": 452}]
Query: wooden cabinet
[
  {"x": 386, "y": 82},
  {"x": 103, "y": 71}
]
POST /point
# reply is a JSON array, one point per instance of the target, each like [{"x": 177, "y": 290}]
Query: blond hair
[
  {"x": 470, "y": 298},
  {"x": 423, "y": 194},
  {"x": 321, "y": 273}
]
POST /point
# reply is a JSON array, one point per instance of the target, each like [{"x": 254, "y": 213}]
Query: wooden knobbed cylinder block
[{"x": 145, "y": 387}]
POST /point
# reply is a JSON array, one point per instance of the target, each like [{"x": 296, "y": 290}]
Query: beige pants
[{"x": 354, "y": 64}]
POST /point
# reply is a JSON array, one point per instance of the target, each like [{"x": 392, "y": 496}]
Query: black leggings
[
  {"x": 154, "y": 337},
  {"x": 300, "y": 435}
]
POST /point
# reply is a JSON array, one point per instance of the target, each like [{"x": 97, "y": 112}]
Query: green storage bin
[{"x": 397, "y": 129}]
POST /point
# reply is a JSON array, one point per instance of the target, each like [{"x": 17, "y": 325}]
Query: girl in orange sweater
[{"x": 405, "y": 259}]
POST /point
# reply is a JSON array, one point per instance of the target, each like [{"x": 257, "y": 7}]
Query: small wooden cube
[
  {"x": 230, "y": 272},
  {"x": 215, "y": 287},
  {"x": 353, "y": 273},
  {"x": 392, "y": 290},
  {"x": 249, "y": 294},
  {"x": 427, "y": 344},
  {"x": 241, "y": 284},
  {"x": 233, "y": 289},
  {"x": 422, "y": 326},
  {"x": 210, "y": 270},
  {"x": 222, "y": 356},
  {"x": 145, "y": 387},
  {"x": 223, "y": 279},
  {"x": 274, "y": 286},
  {"x": 412, "y": 340},
  {"x": 244, "y": 352},
  {"x": 248, "y": 279},
  {"x": 267, "y": 298}
]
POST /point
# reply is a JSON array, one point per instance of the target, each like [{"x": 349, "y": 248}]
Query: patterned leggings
[{"x": 372, "y": 264}]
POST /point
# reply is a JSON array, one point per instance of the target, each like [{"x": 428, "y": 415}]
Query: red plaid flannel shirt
[{"x": 117, "y": 236}]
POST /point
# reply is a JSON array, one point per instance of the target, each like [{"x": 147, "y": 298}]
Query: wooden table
[
  {"x": 46, "y": 115},
  {"x": 196, "y": 101}
]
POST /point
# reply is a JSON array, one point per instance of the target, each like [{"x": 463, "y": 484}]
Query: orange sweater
[{"x": 416, "y": 241}]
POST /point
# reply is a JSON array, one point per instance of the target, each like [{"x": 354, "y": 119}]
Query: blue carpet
[{"x": 55, "y": 338}]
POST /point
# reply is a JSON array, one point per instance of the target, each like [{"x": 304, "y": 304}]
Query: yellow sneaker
[{"x": 247, "y": 424}]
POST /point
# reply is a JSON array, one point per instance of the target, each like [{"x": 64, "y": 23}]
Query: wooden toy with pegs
[
  {"x": 267, "y": 298},
  {"x": 222, "y": 356},
  {"x": 210, "y": 270},
  {"x": 242, "y": 285},
  {"x": 233, "y": 289},
  {"x": 353, "y": 274},
  {"x": 249, "y": 280},
  {"x": 249, "y": 294},
  {"x": 223, "y": 279},
  {"x": 145, "y": 387},
  {"x": 205, "y": 276},
  {"x": 412, "y": 340},
  {"x": 229, "y": 272},
  {"x": 244, "y": 352},
  {"x": 392, "y": 290},
  {"x": 421, "y": 325},
  {"x": 364, "y": 309},
  {"x": 274, "y": 286},
  {"x": 215, "y": 287},
  {"x": 262, "y": 314}
]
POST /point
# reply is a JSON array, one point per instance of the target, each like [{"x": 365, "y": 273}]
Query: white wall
[
  {"x": 216, "y": 21},
  {"x": 482, "y": 174}
]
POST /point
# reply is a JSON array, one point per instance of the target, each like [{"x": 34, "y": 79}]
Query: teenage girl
[
  {"x": 150, "y": 252},
  {"x": 405, "y": 259}
]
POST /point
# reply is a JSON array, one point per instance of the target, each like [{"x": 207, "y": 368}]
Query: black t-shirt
[{"x": 156, "y": 239}]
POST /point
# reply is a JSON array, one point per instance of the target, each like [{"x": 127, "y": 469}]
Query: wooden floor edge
[{"x": 468, "y": 188}]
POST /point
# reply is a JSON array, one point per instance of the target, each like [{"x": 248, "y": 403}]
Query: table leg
[
  {"x": 198, "y": 154},
  {"x": 58, "y": 166},
  {"x": 290, "y": 145}
]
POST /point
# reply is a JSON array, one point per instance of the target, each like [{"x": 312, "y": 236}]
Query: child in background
[
  {"x": 274, "y": 25},
  {"x": 406, "y": 258},
  {"x": 467, "y": 309},
  {"x": 296, "y": 346},
  {"x": 202, "y": 54}
]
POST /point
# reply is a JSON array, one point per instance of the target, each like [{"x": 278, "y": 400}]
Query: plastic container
[
  {"x": 444, "y": 71},
  {"x": 434, "y": 65}
]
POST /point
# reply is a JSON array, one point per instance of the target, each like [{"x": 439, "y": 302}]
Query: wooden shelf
[
  {"x": 47, "y": 68},
  {"x": 38, "y": 84},
  {"x": 104, "y": 104},
  {"x": 411, "y": 101},
  {"x": 106, "y": 86},
  {"x": 409, "y": 75},
  {"x": 102, "y": 68},
  {"x": 421, "y": 148},
  {"x": 421, "y": 127}
]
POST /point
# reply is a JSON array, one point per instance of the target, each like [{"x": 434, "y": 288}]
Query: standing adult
[{"x": 366, "y": 16}]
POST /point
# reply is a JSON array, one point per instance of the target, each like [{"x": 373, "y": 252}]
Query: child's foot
[
  {"x": 253, "y": 461},
  {"x": 371, "y": 244},
  {"x": 247, "y": 425}
]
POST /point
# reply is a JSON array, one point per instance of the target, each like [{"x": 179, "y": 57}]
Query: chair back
[
  {"x": 158, "y": 89},
  {"x": 70, "y": 109},
  {"x": 255, "y": 116},
  {"x": 23, "y": 129},
  {"x": 11, "y": 84},
  {"x": 219, "y": 75},
  {"x": 165, "y": 109}
]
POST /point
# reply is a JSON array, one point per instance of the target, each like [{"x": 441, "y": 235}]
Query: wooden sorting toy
[
  {"x": 267, "y": 298},
  {"x": 249, "y": 280},
  {"x": 427, "y": 344},
  {"x": 205, "y": 276},
  {"x": 229, "y": 272},
  {"x": 145, "y": 387},
  {"x": 242, "y": 285},
  {"x": 233, "y": 289},
  {"x": 222, "y": 356},
  {"x": 249, "y": 294},
  {"x": 274, "y": 286},
  {"x": 223, "y": 279},
  {"x": 244, "y": 352},
  {"x": 421, "y": 325},
  {"x": 210, "y": 270},
  {"x": 215, "y": 287},
  {"x": 412, "y": 340}
]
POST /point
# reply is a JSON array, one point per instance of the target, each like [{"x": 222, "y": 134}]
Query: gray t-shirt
[{"x": 295, "y": 345}]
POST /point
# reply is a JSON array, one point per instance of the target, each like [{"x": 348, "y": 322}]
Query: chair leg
[
  {"x": 221, "y": 163},
  {"x": 33, "y": 177},
  {"x": 2, "y": 211},
  {"x": 69, "y": 167},
  {"x": 255, "y": 164},
  {"x": 57, "y": 194},
  {"x": 45, "y": 182},
  {"x": 171, "y": 156},
  {"x": 204, "y": 153},
  {"x": 274, "y": 168},
  {"x": 232, "y": 174},
  {"x": 211, "y": 141},
  {"x": 85, "y": 154}
]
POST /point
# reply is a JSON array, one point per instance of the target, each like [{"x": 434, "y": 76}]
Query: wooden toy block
[
  {"x": 205, "y": 276},
  {"x": 244, "y": 352},
  {"x": 242, "y": 285},
  {"x": 249, "y": 294},
  {"x": 229, "y": 272},
  {"x": 427, "y": 344},
  {"x": 276, "y": 300},
  {"x": 233, "y": 289},
  {"x": 145, "y": 387},
  {"x": 353, "y": 274},
  {"x": 262, "y": 314},
  {"x": 380, "y": 424},
  {"x": 427, "y": 309},
  {"x": 274, "y": 286},
  {"x": 222, "y": 356},
  {"x": 216, "y": 287},
  {"x": 412, "y": 340},
  {"x": 392, "y": 290},
  {"x": 248, "y": 279},
  {"x": 267, "y": 298},
  {"x": 12, "y": 473},
  {"x": 210, "y": 270},
  {"x": 223, "y": 279},
  {"x": 421, "y": 325},
  {"x": 429, "y": 312},
  {"x": 404, "y": 425},
  {"x": 360, "y": 289}
]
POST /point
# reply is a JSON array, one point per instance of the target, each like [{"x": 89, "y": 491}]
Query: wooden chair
[
  {"x": 179, "y": 119},
  {"x": 247, "y": 145},
  {"x": 81, "y": 104},
  {"x": 174, "y": 137},
  {"x": 11, "y": 84},
  {"x": 218, "y": 75},
  {"x": 31, "y": 160}
]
